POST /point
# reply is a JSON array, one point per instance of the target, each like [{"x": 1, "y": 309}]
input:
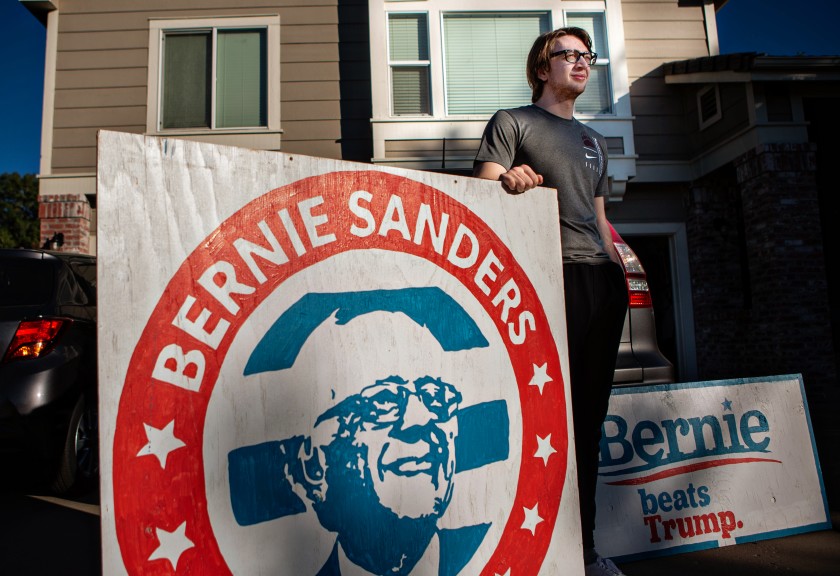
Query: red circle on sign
[{"x": 313, "y": 219}]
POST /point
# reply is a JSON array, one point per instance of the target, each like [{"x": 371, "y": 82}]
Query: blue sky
[{"x": 773, "y": 27}]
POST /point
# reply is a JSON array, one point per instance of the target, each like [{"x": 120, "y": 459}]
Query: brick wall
[
  {"x": 786, "y": 263},
  {"x": 68, "y": 214},
  {"x": 759, "y": 280},
  {"x": 717, "y": 289}
]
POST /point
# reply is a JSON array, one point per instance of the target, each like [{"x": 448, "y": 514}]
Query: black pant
[{"x": 596, "y": 304}]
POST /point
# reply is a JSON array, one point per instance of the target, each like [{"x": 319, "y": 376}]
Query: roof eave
[
  {"x": 752, "y": 67},
  {"x": 40, "y": 8}
]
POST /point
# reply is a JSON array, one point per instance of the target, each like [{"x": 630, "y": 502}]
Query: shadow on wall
[{"x": 356, "y": 103}]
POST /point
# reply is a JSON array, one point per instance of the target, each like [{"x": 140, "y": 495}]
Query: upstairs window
[
  {"x": 214, "y": 74},
  {"x": 408, "y": 51},
  {"x": 597, "y": 98},
  {"x": 214, "y": 78},
  {"x": 484, "y": 59},
  {"x": 462, "y": 61}
]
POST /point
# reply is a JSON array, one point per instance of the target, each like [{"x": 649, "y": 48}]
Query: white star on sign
[
  {"x": 540, "y": 376},
  {"x": 505, "y": 574},
  {"x": 172, "y": 545},
  {"x": 545, "y": 449},
  {"x": 532, "y": 518},
  {"x": 161, "y": 442}
]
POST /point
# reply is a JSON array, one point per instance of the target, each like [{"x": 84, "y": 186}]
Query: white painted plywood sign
[
  {"x": 693, "y": 466},
  {"x": 310, "y": 366}
]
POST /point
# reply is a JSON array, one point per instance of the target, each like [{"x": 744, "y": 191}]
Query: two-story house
[
  {"x": 719, "y": 164},
  {"x": 396, "y": 82}
]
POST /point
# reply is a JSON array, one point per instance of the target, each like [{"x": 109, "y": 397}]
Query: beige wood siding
[
  {"x": 659, "y": 31},
  {"x": 450, "y": 148},
  {"x": 734, "y": 106},
  {"x": 102, "y": 73}
]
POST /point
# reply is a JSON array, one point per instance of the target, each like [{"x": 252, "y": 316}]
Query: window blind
[
  {"x": 410, "y": 85},
  {"x": 485, "y": 57},
  {"x": 408, "y": 36},
  {"x": 592, "y": 22},
  {"x": 186, "y": 76},
  {"x": 597, "y": 98},
  {"x": 241, "y": 89}
]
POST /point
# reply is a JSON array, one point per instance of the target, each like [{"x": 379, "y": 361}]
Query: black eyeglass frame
[{"x": 576, "y": 55}]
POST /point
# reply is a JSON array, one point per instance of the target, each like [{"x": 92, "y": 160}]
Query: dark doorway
[{"x": 823, "y": 126}]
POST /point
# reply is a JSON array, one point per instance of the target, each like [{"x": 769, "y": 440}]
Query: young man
[{"x": 543, "y": 144}]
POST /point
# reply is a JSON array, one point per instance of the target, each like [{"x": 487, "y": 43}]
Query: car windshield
[{"x": 25, "y": 282}]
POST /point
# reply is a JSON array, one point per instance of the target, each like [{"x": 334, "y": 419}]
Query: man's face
[
  {"x": 397, "y": 432},
  {"x": 399, "y": 437},
  {"x": 409, "y": 429},
  {"x": 564, "y": 79}
]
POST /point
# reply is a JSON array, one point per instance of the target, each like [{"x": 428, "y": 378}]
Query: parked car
[
  {"x": 639, "y": 358},
  {"x": 48, "y": 385}
]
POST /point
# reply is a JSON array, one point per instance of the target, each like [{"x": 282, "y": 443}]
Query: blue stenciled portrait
[{"x": 379, "y": 466}]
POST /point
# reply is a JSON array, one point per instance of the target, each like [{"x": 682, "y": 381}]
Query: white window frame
[
  {"x": 158, "y": 29},
  {"x": 407, "y": 63},
  {"x": 435, "y": 9},
  {"x": 603, "y": 60},
  {"x": 389, "y": 128}
]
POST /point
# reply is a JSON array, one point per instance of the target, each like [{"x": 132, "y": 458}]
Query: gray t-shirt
[{"x": 571, "y": 158}]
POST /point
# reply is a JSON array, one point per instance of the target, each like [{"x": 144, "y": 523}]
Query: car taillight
[
  {"x": 35, "y": 338},
  {"x": 637, "y": 285},
  {"x": 639, "y": 293}
]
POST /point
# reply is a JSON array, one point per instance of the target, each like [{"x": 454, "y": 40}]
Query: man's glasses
[
  {"x": 574, "y": 56},
  {"x": 386, "y": 401}
]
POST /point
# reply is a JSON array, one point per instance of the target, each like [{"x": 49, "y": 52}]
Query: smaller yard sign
[{"x": 693, "y": 466}]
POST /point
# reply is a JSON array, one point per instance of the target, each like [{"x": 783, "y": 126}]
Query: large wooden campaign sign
[
  {"x": 693, "y": 466},
  {"x": 310, "y": 366}
]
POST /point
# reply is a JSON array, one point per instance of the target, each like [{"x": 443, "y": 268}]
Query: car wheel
[{"x": 79, "y": 463}]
